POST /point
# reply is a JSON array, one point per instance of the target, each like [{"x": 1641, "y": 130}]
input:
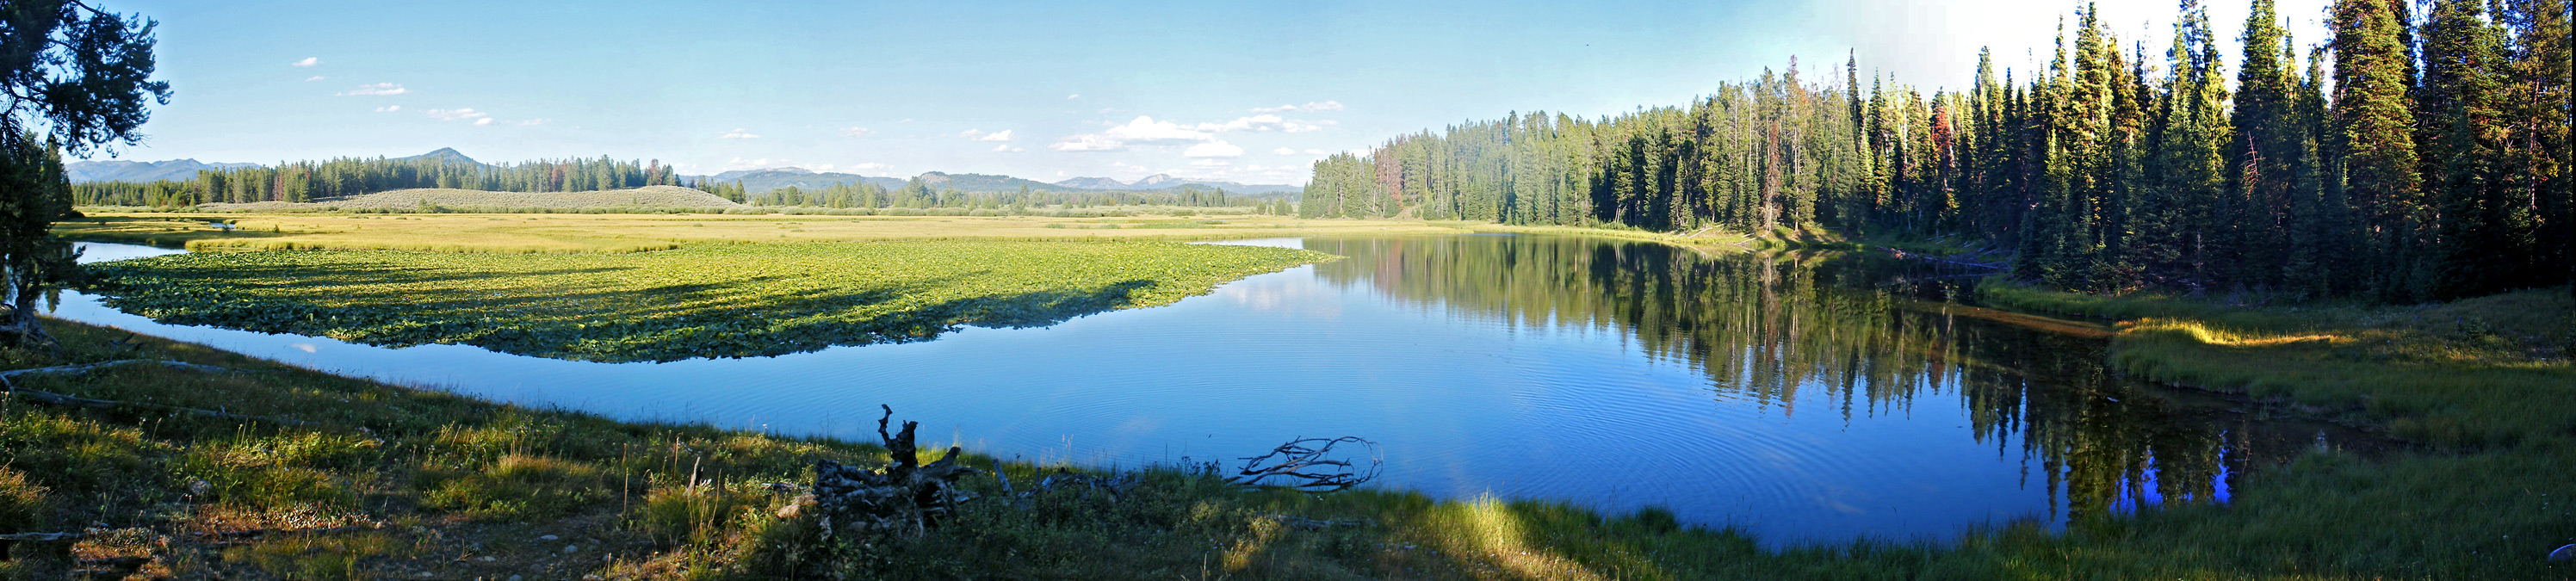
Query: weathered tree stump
[{"x": 904, "y": 497}]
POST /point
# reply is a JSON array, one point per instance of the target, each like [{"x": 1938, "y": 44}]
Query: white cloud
[
  {"x": 377, "y": 89},
  {"x": 1210, "y": 163},
  {"x": 738, "y": 133},
  {"x": 388, "y": 108},
  {"x": 871, "y": 168},
  {"x": 1003, "y": 135},
  {"x": 1283, "y": 151},
  {"x": 455, "y": 114},
  {"x": 1073, "y": 96},
  {"x": 1317, "y": 152},
  {"x": 1147, "y": 131},
  {"x": 1213, "y": 149},
  {"x": 534, "y": 122},
  {"x": 1087, "y": 143},
  {"x": 971, "y": 133},
  {"x": 1006, "y": 148},
  {"x": 905, "y": 120},
  {"x": 308, "y": 61},
  {"x": 313, "y": 78},
  {"x": 1306, "y": 108},
  {"x": 1263, "y": 122},
  {"x": 483, "y": 121},
  {"x": 856, "y": 131}
]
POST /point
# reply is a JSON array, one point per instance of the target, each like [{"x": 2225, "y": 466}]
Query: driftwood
[
  {"x": 1309, "y": 464},
  {"x": 905, "y": 497},
  {"x": 10, "y": 388}
]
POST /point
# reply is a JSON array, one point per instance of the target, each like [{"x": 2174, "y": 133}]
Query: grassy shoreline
[
  {"x": 434, "y": 482},
  {"x": 704, "y": 300}
]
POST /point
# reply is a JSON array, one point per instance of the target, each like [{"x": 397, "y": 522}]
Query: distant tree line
[
  {"x": 922, "y": 194},
  {"x": 306, "y": 181},
  {"x": 2432, "y": 162},
  {"x": 310, "y": 181}
]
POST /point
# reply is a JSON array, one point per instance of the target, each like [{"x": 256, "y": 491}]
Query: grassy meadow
[
  {"x": 592, "y": 233},
  {"x": 702, "y": 300}
]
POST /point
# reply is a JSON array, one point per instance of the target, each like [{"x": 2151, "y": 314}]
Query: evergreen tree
[{"x": 2374, "y": 128}]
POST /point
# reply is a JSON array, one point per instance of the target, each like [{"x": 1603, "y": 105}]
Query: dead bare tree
[{"x": 1310, "y": 464}]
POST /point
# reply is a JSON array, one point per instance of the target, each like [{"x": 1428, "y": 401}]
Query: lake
[{"x": 1798, "y": 396}]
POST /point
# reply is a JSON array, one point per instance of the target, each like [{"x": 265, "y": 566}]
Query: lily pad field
[{"x": 705, "y": 300}]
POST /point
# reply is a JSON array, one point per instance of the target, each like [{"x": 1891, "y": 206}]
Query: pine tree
[
  {"x": 2265, "y": 146},
  {"x": 2483, "y": 236},
  {"x": 2374, "y": 125}
]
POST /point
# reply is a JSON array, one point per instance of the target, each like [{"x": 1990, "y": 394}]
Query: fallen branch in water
[
  {"x": 1911, "y": 256},
  {"x": 10, "y": 388},
  {"x": 1310, "y": 465}
]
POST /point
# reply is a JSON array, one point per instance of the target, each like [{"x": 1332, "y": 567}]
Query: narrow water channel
[{"x": 1802, "y": 397}]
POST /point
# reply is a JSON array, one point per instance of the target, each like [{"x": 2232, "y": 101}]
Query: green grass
[
  {"x": 618, "y": 233},
  {"x": 2485, "y": 372},
  {"x": 715, "y": 300}
]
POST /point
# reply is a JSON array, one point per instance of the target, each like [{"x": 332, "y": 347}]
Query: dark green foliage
[
  {"x": 2424, "y": 176},
  {"x": 74, "y": 78}
]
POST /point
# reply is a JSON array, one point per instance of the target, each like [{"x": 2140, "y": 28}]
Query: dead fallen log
[
  {"x": 1944, "y": 260},
  {"x": 10, "y": 388},
  {"x": 905, "y": 497},
  {"x": 1309, "y": 464},
  {"x": 42, "y": 537},
  {"x": 14, "y": 538},
  {"x": 1319, "y": 524}
]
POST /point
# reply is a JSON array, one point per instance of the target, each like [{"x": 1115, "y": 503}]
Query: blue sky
[{"x": 1251, "y": 91}]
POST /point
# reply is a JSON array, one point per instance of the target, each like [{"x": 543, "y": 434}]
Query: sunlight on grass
[{"x": 1486, "y": 528}]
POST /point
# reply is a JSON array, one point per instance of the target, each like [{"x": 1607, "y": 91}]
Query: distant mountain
[
  {"x": 1166, "y": 181},
  {"x": 1092, "y": 183},
  {"x": 762, "y": 180},
  {"x": 976, "y": 182},
  {"x": 448, "y": 155},
  {"x": 117, "y": 170}
]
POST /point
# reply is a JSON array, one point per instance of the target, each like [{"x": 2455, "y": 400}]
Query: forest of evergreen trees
[
  {"x": 306, "y": 181},
  {"x": 2431, "y": 161}
]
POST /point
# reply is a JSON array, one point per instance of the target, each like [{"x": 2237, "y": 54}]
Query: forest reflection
[{"x": 1866, "y": 336}]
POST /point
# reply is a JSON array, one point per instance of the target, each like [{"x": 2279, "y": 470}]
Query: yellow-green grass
[
  {"x": 440, "y": 198},
  {"x": 392, "y": 482},
  {"x": 2482, "y": 372},
  {"x": 704, "y": 300},
  {"x": 579, "y": 233}
]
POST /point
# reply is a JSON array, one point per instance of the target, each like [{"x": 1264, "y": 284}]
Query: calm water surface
[{"x": 1802, "y": 397}]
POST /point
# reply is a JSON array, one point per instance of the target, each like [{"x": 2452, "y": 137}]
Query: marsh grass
[
  {"x": 728, "y": 300},
  {"x": 617, "y": 233},
  {"x": 2477, "y": 373}
]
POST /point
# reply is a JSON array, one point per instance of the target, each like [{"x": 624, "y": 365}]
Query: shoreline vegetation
[{"x": 432, "y": 481}]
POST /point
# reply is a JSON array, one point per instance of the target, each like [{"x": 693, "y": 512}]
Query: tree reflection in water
[{"x": 1875, "y": 334}]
